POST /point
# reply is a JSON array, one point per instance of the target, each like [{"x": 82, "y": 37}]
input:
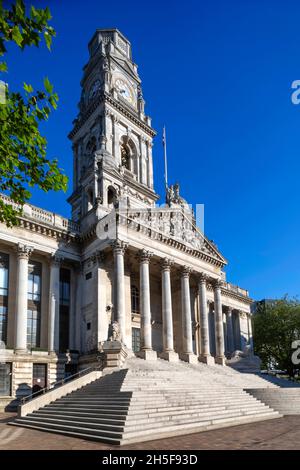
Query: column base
[
  {"x": 170, "y": 356},
  {"x": 209, "y": 360},
  {"x": 147, "y": 354},
  {"x": 20, "y": 351},
  {"x": 189, "y": 357},
  {"x": 221, "y": 360}
]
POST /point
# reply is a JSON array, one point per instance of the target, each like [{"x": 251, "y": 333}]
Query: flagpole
[{"x": 165, "y": 156}]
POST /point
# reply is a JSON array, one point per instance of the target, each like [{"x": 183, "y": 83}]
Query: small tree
[
  {"x": 23, "y": 161},
  {"x": 276, "y": 326}
]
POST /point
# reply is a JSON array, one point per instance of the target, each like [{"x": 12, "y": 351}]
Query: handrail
[{"x": 58, "y": 384}]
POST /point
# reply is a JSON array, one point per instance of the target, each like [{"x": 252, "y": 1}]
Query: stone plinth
[
  {"x": 148, "y": 355},
  {"x": 209, "y": 360},
  {"x": 170, "y": 356},
  {"x": 115, "y": 353},
  {"x": 188, "y": 357}
]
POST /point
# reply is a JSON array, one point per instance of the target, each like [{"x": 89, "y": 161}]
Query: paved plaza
[{"x": 279, "y": 434}]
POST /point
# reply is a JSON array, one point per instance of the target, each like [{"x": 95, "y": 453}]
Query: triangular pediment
[
  {"x": 125, "y": 64},
  {"x": 177, "y": 225}
]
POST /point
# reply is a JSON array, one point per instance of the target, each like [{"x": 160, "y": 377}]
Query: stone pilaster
[
  {"x": 219, "y": 331},
  {"x": 146, "y": 327},
  {"x": 119, "y": 248},
  {"x": 187, "y": 340},
  {"x": 53, "y": 324},
  {"x": 205, "y": 355},
  {"x": 167, "y": 315},
  {"x": 23, "y": 254}
]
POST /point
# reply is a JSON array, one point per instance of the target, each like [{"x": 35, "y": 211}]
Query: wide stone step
[
  {"x": 106, "y": 411},
  {"x": 141, "y": 401},
  {"x": 145, "y": 424},
  {"x": 84, "y": 414},
  {"x": 143, "y": 414},
  {"x": 99, "y": 430},
  {"x": 188, "y": 428},
  {"x": 91, "y": 424},
  {"x": 73, "y": 433}
]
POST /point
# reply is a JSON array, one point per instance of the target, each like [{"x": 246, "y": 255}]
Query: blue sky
[{"x": 218, "y": 74}]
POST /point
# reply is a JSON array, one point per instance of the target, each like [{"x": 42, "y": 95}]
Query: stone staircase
[
  {"x": 152, "y": 399},
  {"x": 285, "y": 400}
]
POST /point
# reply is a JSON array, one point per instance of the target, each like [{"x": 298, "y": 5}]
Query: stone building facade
[{"x": 123, "y": 265}]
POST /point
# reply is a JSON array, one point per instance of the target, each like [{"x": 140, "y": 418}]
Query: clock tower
[{"x": 111, "y": 136}]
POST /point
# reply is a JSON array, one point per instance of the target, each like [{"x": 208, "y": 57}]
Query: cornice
[
  {"x": 104, "y": 97},
  {"x": 48, "y": 231}
]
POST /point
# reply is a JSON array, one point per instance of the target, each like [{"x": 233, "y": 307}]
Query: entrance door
[
  {"x": 5, "y": 379},
  {"x": 136, "y": 340},
  {"x": 39, "y": 377}
]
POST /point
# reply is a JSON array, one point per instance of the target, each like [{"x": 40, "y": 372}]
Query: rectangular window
[
  {"x": 33, "y": 329},
  {"x": 136, "y": 340},
  {"x": 3, "y": 323},
  {"x": 4, "y": 263},
  {"x": 34, "y": 286},
  {"x": 34, "y": 282},
  {"x": 64, "y": 309},
  {"x": 5, "y": 379}
]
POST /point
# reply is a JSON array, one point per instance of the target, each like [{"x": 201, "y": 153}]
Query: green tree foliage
[
  {"x": 276, "y": 327},
  {"x": 23, "y": 160}
]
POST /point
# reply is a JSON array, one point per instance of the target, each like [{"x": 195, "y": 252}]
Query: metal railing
[{"x": 60, "y": 383}]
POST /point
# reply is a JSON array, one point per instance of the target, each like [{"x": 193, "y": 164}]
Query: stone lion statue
[{"x": 115, "y": 332}]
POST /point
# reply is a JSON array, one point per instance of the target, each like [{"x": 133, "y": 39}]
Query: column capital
[
  {"x": 228, "y": 310},
  {"x": 24, "y": 251},
  {"x": 242, "y": 314},
  {"x": 166, "y": 264},
  {"x": 145, "y": 256},
  {"x": 217, "y": 284},
  {"x": 97, "y": 257},
  {"x": 203, "y": 278},
  {"x": 56, "y": 259},
  {"x": 119, "y": 247},
  {"x": 186, "y": 271}
]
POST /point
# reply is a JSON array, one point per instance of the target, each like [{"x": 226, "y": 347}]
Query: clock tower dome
[{"x": 111, "y": 136}]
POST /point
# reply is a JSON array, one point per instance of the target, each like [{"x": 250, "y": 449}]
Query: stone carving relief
[{"x": 171, "y": 223}]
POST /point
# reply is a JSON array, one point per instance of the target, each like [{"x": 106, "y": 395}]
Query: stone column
[
  {"x": 205, "y": 355},
  {"x": 250, "y": 333},
  {"x": 23, "y": 253},
  {"x": 230, "y": 338},
  {"x": 219, "y": 332},
  {"x": 53, "y": 324},
  {"x": 146, "y": 327},
  {"x": 168, "y": 342},
  {"x": 187, "y": 335},
  {"x": 78, "y": 313},
  {"x": 119, "y": 248}
]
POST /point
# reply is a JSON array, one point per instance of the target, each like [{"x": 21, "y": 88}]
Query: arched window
[
  {"x": 111, "y": 196},
  {"x": 135, "y": 300},
  {"x": 125, "y": 156},
  {"x": 90, "y": 199}
]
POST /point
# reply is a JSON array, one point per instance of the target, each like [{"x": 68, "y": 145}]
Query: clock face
[{"x": 124, "y": 90}]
